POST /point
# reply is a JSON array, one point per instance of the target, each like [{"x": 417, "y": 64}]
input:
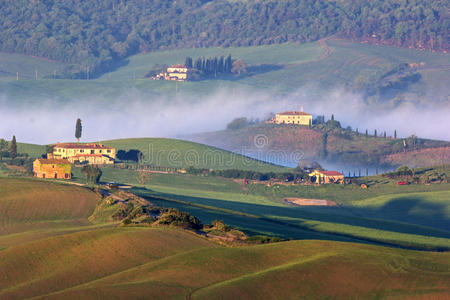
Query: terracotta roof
[
  {"x": 178, "y": 66},
  {"x": 53, "y": 161},
  {"x": 331, "y": 173},
  {"x": 298, "y": 113},
  {"x": 81, "y": 146}
]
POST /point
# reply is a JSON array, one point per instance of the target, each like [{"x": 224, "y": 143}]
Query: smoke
[{"x": 133, "y": 114}]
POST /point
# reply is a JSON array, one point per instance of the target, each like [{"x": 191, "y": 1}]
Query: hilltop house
[
  {"x": 176, "y": 72},
  {"x": 94, "y": 154},
  {"x": 292, "y": 117},
  {"x": 52, "y": 168},
  {"x": 326, "y": 177}
]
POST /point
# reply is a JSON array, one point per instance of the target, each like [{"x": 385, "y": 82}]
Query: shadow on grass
[{"x": 272, "y": 220}]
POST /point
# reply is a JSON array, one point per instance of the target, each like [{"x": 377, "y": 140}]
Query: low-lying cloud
[{"x": 133, "y": 114}]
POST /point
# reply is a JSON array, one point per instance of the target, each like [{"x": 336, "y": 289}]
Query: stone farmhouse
[
  {"x": 52, "y": 168},
  {"x": 292, "y": 117},
  {"x": 326, "y": 177},
  {"x": 176, "y": 72},
  {"x": 94, "y": 154}
]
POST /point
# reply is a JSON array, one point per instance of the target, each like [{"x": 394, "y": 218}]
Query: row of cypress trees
[{"x": 211, "y": 65}]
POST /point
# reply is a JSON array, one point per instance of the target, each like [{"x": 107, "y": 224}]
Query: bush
[{"x": 174, "y": 217}]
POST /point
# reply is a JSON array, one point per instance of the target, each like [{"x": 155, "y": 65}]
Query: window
[
  {"x": 66, "y": 176},
  {"x": 92, "y": 151},
  {"x": 109, "y": 151}
]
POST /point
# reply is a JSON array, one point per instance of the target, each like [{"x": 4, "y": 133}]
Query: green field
[
  {"x": 182, "y": 154},
  {"x": 158, "y": 263},
  {"x": 411, "y": 216},
  {"x": 49, "y": 248},
  {"x": 333, "y": 63}
]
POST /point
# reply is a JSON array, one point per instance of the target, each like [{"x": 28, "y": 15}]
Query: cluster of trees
[
  {"x": 212, "y": 66},
  {"x": 8, "y": 149},
  {"x": 94, "y": 36},
  {"x": 251, "y": 175}
]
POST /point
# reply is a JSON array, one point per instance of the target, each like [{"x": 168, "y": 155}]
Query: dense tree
[
  {"x": 3, "y": 147},
  {"x": 92, "y": 173},
  {"x": 13, "y": 148},
  {"x": 98, "y": 34},
  {"x": 78, "y": 130}
]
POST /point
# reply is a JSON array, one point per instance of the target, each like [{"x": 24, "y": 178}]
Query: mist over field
[{"x": 133, "y": 114}]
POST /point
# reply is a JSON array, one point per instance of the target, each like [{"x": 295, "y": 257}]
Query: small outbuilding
[
  {"x": 318, "y": 176},
  {"x": 52, "y": 168}
]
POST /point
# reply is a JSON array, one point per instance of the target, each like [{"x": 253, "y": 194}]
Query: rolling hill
[
  {"x": 342, "y": 145},
  {"x": 159, "y": 263},
  {"x": 182, "y": 154}
]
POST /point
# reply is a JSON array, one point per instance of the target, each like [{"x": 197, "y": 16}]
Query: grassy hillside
[
  {"x": 135, "y": 262},
  {"x": 30, "y": 209},
  {"x": 330, "y": 64},
  {"x": 182, "y": 154},
  {"x": 342, "y": 146}
]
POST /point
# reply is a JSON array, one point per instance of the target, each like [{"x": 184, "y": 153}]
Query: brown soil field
[
  {"x": 421, "y": 158},
  {"x": 309, "y": 202}
]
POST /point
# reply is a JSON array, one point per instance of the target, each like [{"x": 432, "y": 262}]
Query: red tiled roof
[
  {"x": 331, "y": 173},
  {"x": 290, "y": 113},
  {"x": 45, "y": 161},
  {"x": 81, "y": 146},
  {"x": 178, "y": 66}
]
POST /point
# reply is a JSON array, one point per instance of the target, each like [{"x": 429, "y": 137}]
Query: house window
[
  {"x": 66, "y": 176},
  {"x": 81, "y": 150},
  {"x": 92, "y": 151},
  {"x": 109, "y": 151}
]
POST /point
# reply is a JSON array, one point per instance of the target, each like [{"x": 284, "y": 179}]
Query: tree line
[
  {"x": 212, "y": 66},
  {"x": 94, "y": 36}
]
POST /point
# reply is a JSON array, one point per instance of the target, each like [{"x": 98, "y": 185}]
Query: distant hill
[
  {"x": 95, "y": 36},
  {"x": 182, "y": 154},
  {"x": 341, "y": 145}
]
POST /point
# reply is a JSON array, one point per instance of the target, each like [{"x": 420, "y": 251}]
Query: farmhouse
[
  {"x": 326, "y": 177},
  {"x": 52, "y": 168},
  {"x": 94, "y": 154},
  {"x": 292, "y": 117},
  {"x": 176, "y": 72}
]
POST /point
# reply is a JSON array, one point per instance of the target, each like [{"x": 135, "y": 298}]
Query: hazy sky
[{"x": 135, "y": 115}]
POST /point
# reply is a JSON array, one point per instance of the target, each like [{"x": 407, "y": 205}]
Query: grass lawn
[{"x": 182, "y": 154}]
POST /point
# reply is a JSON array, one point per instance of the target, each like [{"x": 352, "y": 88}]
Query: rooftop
[
  {"x": 178, "y": 66},
  {"x": 45, "y": 161},
  {"x": 81, "y": 146},
  {"x": 297, "y": 113},
  {"x": 331, "y": 173}
]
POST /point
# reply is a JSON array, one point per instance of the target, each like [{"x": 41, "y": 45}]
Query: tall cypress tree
[
  {"x": 13, "y": 148},
  {"x": 395, "y": 133},
  {"x": 78, "y": 130},
  {"x": 375, "y": 133}
]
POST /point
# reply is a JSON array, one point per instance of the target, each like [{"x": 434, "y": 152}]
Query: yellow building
[
  {"x": 326, "y": 177},
  {"x": 293, "y": 117},
  {"x": 176, "y": 72},
  {"x": 52, "y": 168},
  {"x": 95, "y": 154}
]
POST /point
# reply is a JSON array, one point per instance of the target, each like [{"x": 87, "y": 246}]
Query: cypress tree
[
  {"x": 395, "y": 133},
  {"x": 13, "y": 148},
  {"x": 367, "y": 133},
  {"x": 228, "y": 64},
  {"x": 375, "y": 133},
  {"x": 220, "y": 65},
  {"x": 78, "y": 130},
  {"x": 357, "y": 133},
  {"x": 332, "y": 117},
  {"x": 384, "y": 134}
]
